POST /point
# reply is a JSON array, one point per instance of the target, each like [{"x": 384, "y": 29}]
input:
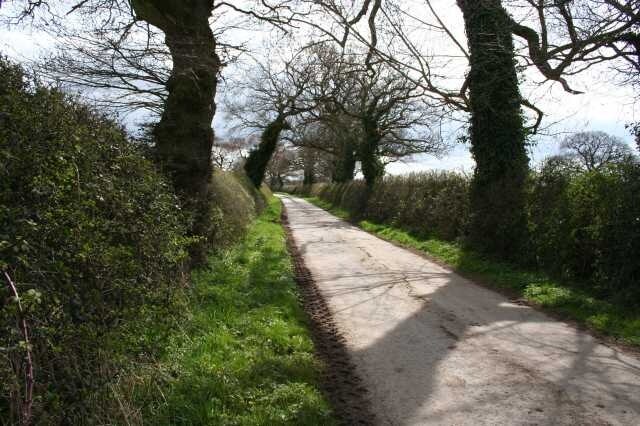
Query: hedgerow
[
  {"x": 585, "y": 227},
  {"x": 92, "y": 238},
  {"x": 92, "y": 242},
  {"x": 235, "y": 201},
  {"x": 431, "y": 203}
]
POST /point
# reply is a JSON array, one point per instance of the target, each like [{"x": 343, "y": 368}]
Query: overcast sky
[{"x": 604, "y": 106}]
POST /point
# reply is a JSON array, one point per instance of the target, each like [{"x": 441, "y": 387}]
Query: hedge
[{"x": 92, "y": 238}]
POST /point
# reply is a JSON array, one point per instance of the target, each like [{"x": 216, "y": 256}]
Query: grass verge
[
  {"x": 244, "y": 356},
  {"x": 536, "y": 288}
]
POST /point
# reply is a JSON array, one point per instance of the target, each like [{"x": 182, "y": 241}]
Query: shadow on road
[{"x": 434, "y": 348}]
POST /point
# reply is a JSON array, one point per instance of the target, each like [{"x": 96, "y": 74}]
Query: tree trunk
[
  {"x": 372, "y": 167},
  {"x": 345, "y": 164},
  {"x": 308, "y": 166},
  {"x": 184, "y": 136},
  {"x": 259, "y": 157},
  {"x": 309, "y": 173},
  {"x": 309, "y": 176},
  {"x": 498, "y": 221}
]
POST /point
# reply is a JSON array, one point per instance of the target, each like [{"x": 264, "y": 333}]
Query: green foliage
[
  {"x": 344, "y": 162},
  {"x": 586, "y": 227},
  {"x": 634, "y": 129},
  {"x": 351, "y": 196},
  {"x": 259, "y": 157},
  {"x": 234, "y": 203},
  {"x": 433, "y": 203},
  {"x": 244, "y": 356},
  {"x": 89, "y": 226},
  {"x": 368, "y": 152}
]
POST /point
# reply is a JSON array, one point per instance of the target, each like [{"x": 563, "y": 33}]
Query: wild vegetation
[
  {"x": 95, "y": 241},
  {"x": 123, "y": 261},
  {"x": 242, "y": 355},
  {"x": 94, "y": 252}
]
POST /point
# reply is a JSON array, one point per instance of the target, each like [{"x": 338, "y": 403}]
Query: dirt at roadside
[{"x": 340, "y": 381}]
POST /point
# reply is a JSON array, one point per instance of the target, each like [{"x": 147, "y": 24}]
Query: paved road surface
[{"x": 435, "y": 349}]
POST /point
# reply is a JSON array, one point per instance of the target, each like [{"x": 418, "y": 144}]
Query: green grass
[
  {"x": 244, "y": 356},
  {"x": 535, "y": 287}
]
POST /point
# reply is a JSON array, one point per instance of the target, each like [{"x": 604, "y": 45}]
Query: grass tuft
[{"x": 244, "y": 356}]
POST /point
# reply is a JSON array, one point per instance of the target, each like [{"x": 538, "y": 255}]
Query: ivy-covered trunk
[
  {"x": 498, "y": 221},
  {"x": 372, "y": 167},
  {"x": 308, "y": 166},
  {"x": 345, "y": 163},
  {"x": 184, "y": 136},
  {"x": 260, "y": 156},
  {"x": 308, "y": 176}
]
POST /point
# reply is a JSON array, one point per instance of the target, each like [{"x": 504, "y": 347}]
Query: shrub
[
  {"x": 93, "y": 238},
  {"x": 586, "y": 227},
  {"x": 235, "y": 201},
  {"x": 433, "y": 203}
]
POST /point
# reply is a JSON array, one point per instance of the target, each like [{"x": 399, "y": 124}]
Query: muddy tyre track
[{"x": 341, "y": 383}]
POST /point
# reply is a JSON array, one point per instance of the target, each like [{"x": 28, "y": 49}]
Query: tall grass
[{"x": 244, "y": 355}]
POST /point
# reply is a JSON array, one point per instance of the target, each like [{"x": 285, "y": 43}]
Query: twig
[{"x": 27, "y": 402}]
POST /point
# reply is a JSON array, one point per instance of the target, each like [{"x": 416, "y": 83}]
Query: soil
[{"x": 340, "y": 381}]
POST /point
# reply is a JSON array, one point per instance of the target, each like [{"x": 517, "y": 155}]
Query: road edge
[{"x": 340, "y": 381}]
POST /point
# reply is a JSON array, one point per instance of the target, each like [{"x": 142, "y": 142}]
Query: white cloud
[
  {"x": 604, "y": 105},
  {"x": 22, "y": 44}
]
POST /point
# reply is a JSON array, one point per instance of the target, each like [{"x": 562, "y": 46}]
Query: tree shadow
[
  {"x": 435, "y": 348},
  {"x": 476, "y": 358}
]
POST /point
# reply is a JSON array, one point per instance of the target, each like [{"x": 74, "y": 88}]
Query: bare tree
[
  {"x": 565, "y": 38},
  {"x": 392, "y": 115},
  {"x": 337, "y": 137},
  {"x": 328, "y": 128},
  {"x": 281, "y": 166},
  {"x": 229, "y": 152},
  {"x": 380, "y": 115},
  {"x": 634, "y": 128},
  {"x": 594, "y": 150},
  {"x": 121, "y": 72},
  {"x": 270, "y": 94}
]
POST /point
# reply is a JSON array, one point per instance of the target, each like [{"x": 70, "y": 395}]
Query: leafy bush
[
  {"x": 235, "y": 201},
  {"x": 433, "y": 203},
  {"x": 586, "y": 227},
  {"x": 94, "y": 240}
]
